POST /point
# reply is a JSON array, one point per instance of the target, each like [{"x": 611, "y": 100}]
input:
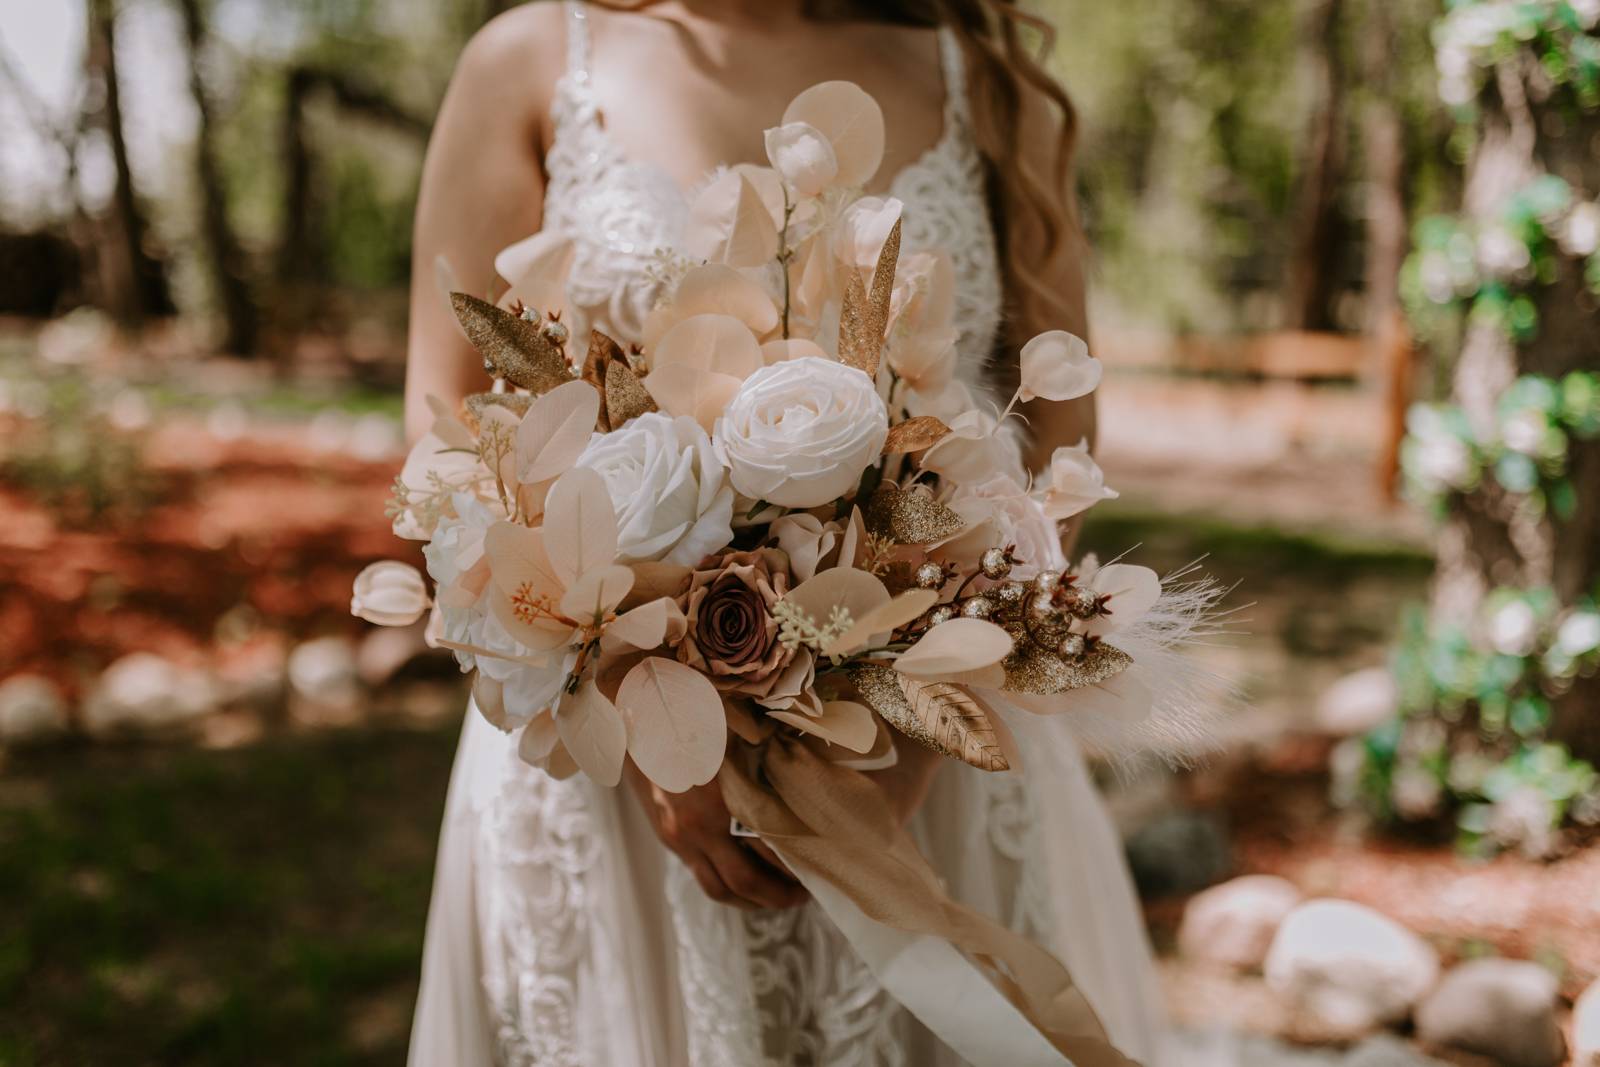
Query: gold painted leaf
[
  {"x": 911, "y": 517},
  {"x": 626, "y": 396},
  {"x": 477, "y": 403},
  {"x": 1041, "y": 672},
  {"x": 942, "y": 716},
  {"x": 864, "y": 316},
  {"x": 512, "y": 348},
  {"x": 879, "y": 297},
  {"x": 914, "y": 435}
]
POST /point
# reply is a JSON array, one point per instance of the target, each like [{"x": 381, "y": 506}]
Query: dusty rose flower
[{"x": 731, "y": 635}]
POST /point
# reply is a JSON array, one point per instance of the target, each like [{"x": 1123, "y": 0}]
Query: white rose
[
  {"x": 800, "y": 433},
  {"x": 669, "y": 489},
  {"x": 1076, "y": 483},
  {"x": 389, "y": 594},
  {"x": 1000, "y": 512}
]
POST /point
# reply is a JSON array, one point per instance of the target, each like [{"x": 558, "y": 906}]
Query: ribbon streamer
[{"x": 990, "y": 994}]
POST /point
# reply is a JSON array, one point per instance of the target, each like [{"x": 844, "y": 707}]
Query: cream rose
[
  {"x": 668, "y": 486},
  {"x": 800, "y": 433}
]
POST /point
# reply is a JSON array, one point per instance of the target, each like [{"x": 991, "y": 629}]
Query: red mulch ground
[{"x": 259, "y": 529}]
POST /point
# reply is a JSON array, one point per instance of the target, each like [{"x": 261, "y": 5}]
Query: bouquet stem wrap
[{"x": 990, "y": 994}]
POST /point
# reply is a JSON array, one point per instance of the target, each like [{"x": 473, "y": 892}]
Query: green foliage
[
  {"x": 1525, "y": 452},
  {"x": 1472, "y": 736},
  {"x": 1491, "y": 270},
  {"x": 1194, "y": 119}
]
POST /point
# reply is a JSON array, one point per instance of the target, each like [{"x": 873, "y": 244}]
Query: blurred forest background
[{"x": 1347, "y": 254}]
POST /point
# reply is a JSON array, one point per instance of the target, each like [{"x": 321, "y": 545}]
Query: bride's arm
[{"x": 482, "y": 189}]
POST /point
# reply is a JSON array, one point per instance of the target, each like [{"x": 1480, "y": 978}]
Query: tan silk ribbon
[{"x": 833, "y": 822}]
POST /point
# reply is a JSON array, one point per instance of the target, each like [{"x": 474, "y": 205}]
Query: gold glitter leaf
[
  {"x": 940, "y": 715},
  {"x": 477, "y": 403},
  {"x": 852, "y": 323},
  {"x": 878, "y": 300},
  {"x": 864, "y": 316},
  {"x": 626, "y": 396},
  {"x": 914, "y": 435},
  {"x": 911, "y": 516},
  {"x": 1041, "y": 672},
  {"x": 512, "y": 348}
]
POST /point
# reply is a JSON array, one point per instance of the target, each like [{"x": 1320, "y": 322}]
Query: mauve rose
[{"x": 731, "y": 636}]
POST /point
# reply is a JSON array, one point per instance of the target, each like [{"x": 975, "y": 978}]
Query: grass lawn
[{"x": 172, "y": 906}]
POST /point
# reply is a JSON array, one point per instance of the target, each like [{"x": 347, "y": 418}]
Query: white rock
[
  {"x": 1586, "y": 1028},
  {"x": 31, "y": 708},
  {"x": 1233, "y": 923},
  {"x": 1500, "y": 1008},
  {"x": 1387, "y": 1050},
  {"x": 143, "y": 691},
  {"x": 1358, "y": 702},
  {"x": 1349, "y": 968},
  {"x": 324, "y": 670}
]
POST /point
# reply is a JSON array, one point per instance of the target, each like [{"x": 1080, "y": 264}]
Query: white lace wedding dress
[{"x": 562, "y": 933}]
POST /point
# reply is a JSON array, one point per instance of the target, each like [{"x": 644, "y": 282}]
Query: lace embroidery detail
[
  {"x": 819, "y": 1004},
  {"x": 536, "y": 846},
  {"x": 719, "y": 1013},
  {"x": 947, "y": 207},
  {"x": 1014, "y": 833},
  {"x": 621, "y": 214}
]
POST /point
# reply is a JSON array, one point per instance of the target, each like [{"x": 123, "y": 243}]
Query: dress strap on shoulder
[
  {"x": 578, "y": 40},
  {"x": 953, "y": 62}
]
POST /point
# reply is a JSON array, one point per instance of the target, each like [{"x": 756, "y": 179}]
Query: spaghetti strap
[
  {"x": 577, "y": 40},
  {"x": 954, "y": 66}
]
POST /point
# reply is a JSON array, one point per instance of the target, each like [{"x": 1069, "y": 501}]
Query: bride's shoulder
[{"x": 516, "y": 58}]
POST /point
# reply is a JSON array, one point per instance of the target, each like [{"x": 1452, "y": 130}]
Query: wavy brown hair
[{"x": 1012, "y": 97}]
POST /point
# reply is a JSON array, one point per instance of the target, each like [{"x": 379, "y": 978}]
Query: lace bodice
[{"x": 624, "y": 214}]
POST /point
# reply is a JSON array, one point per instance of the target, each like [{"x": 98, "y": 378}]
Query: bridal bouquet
[{"x": 778, "y": 536}]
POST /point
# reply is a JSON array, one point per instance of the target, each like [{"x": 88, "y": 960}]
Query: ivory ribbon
[{"x": 993, "y": 996}]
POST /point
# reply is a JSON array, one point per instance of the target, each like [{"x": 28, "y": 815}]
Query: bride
[{"x": 572, "y": 924}]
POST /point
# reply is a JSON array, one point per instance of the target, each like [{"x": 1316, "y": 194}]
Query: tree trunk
[
  {"x": 1491, "y": 539},
  {"x": 298, "y": 256},
  {"x": 131, "y": 283},
  {"x": 1308, "y": 301},
  {"x": 1383, "y": 152},
  {"x": 296, "y": 252},
  {"x": 224, "y": 257}
]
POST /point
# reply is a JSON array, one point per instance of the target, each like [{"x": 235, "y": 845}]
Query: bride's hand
[{"x": 740, "y": 871}]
